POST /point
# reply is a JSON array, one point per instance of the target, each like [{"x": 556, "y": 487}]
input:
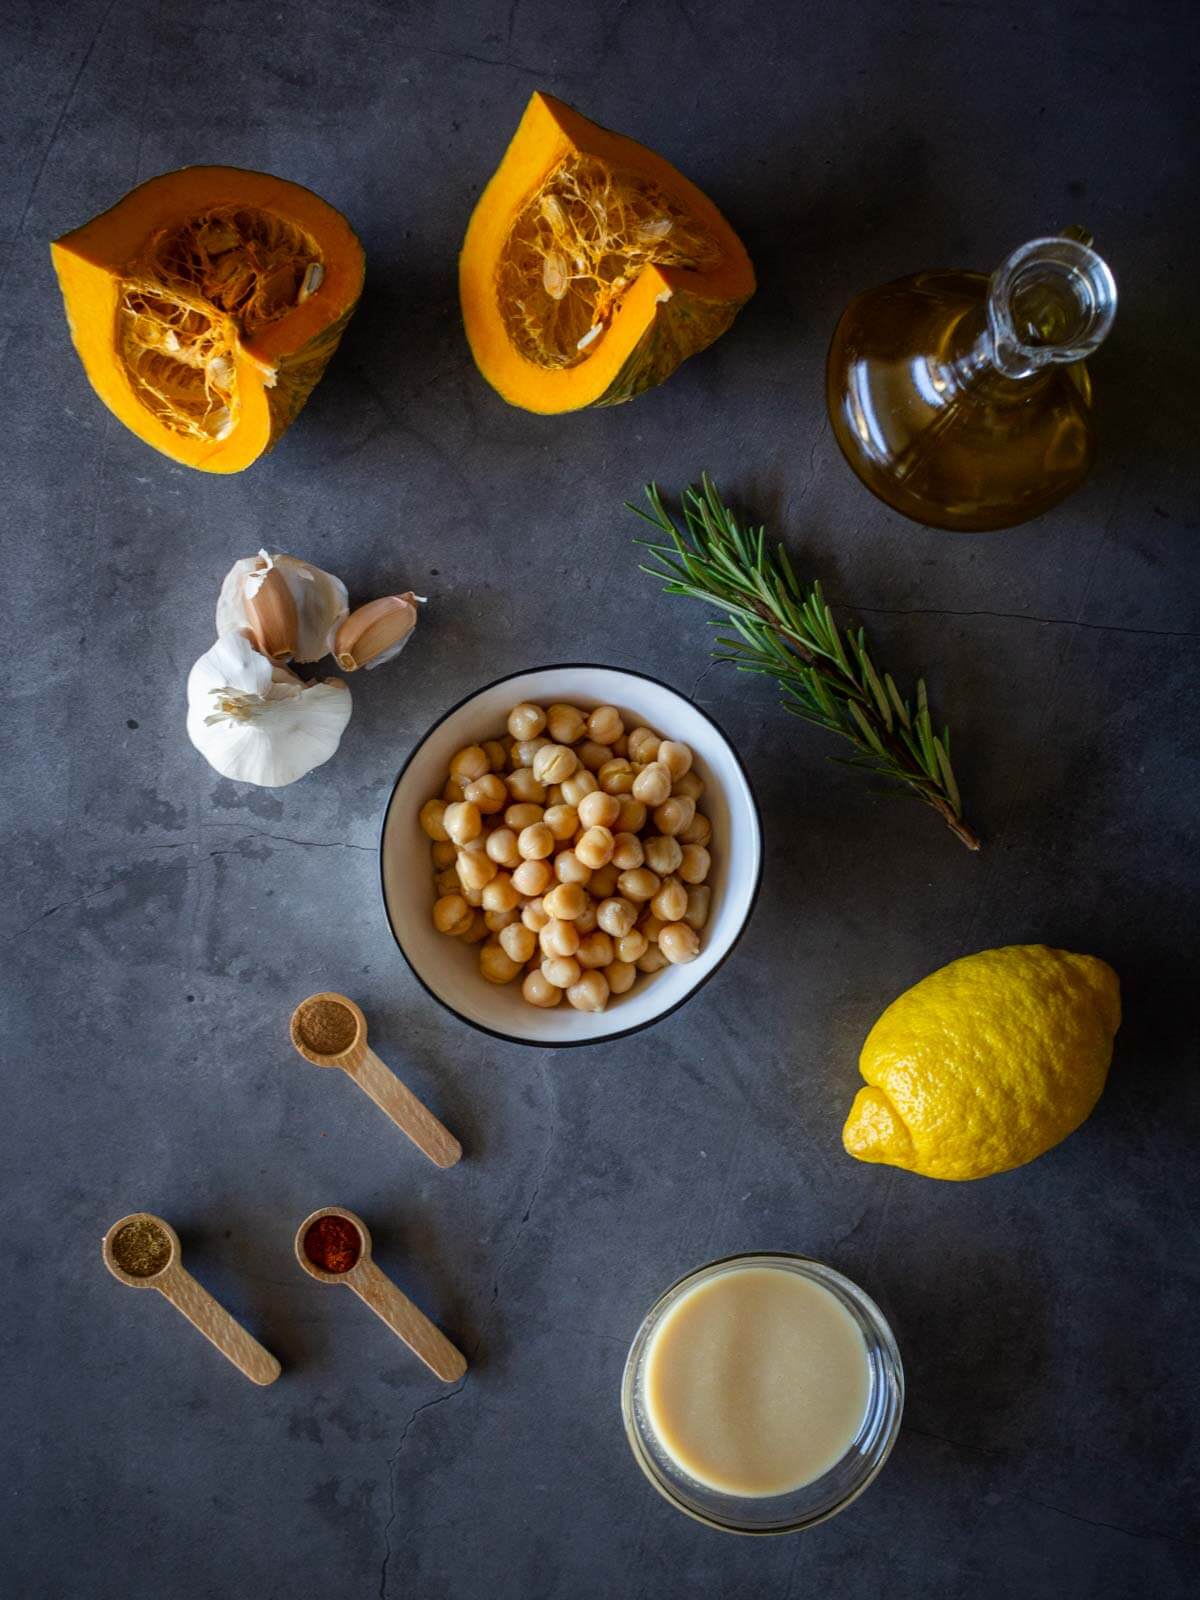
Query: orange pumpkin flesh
[
  {"x": 205, "y": 306},
  {"x": 591, "y": 267}
]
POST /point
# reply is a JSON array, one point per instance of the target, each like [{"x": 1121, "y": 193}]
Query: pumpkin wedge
[
  {"x": 591, "y": 267},
  {"x": 205, "y": 305}
]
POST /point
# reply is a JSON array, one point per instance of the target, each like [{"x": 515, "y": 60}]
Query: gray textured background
[{"x": 161, "y": 922}]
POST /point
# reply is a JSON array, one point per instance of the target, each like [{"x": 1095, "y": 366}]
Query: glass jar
[{"x": 812, "y": 1502}]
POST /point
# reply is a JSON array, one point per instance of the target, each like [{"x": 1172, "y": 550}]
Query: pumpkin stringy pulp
[
  {"x": 197, "y": 290},
  {"x": 577, "y": 246}
]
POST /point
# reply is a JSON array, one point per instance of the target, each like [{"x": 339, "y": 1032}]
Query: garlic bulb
[
  {"x": 320, "y": 601},
  {"x": 374, "y": 633},
  {"x": 257, "y": 722}
]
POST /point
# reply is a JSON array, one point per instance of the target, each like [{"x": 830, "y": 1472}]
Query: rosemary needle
[{"x": 787, "y": 632}]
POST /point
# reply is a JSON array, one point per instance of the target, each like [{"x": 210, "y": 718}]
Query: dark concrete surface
[{"x": 161, "y": 922}]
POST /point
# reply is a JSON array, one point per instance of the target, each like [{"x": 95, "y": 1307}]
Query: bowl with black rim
[{"x": 449, "y": 970}]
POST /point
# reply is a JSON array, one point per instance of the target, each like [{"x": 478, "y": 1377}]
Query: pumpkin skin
[
  {"x": 117, "y": 292},
  {"x": 665, "y": 314}
]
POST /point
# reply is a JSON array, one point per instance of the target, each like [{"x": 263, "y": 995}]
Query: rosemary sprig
[{"x": 788, "y": 633}]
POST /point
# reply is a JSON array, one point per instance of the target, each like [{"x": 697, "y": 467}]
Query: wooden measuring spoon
[
  {"x": 383, "y": 1297},
  {"x": 186, "y": 1295},
  {"x": 330, "y": 1031}
]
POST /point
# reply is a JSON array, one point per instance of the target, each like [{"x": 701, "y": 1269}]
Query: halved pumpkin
[
  {"x": 205, "y": 305},
  {"x": 591, "y": 268}
]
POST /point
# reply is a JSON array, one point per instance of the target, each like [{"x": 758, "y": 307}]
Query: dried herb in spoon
[{"x": 788, "y": 632}]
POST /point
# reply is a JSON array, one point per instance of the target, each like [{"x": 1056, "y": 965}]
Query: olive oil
[{"x": 963, "y": 401}]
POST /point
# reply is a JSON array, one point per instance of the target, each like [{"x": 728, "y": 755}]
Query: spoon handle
[
  {"x": 216, "y": 1324},
  {"x": 378, "y": 1291},
  {"x": 405, "y": 1110}
]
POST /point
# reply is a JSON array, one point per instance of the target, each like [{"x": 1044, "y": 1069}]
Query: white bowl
[{"x": 450, "y": 970}]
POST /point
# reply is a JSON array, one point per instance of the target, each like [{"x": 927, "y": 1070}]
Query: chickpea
[
  {"x": 501, "y": 894},
  {"x": 443, "y": 852},
  {"x": 535, "y": 842},
  {"x": 604, "y": 724},
  {"x": 539, "y": 991},
  {"x": 651, "y": 926},
  {"x": 497, "y": 921},
  {"x": 592, "y": 755},
  {"x": 663, "y": 854},
  {"x": 501, "y": 846},
  {"x": 699, "y": 900},
  {"x": 526, "y": 721},
  {"x": 577, "y": 785},
  {"x": 679, "y": 943},
  {"x": 497, "y": 754},
  {"x": 616, "y": 776},
  {"x": 603, "y": 882},
  {"x": 632, "y": 946},
  {"x": 632, "y": 818},
  {"x": 562, "y": 821},
  {"x": 496, "y": 964},
  {"x": 554, "y": 762},
  {"x": 561, "y": 971},
  {"x": 559, "y": 938},
  {"x": 617, "y": 916},
  {"x": 522, "y": 815},
  {"x": 652, "y": 961},
  {"x": 669, "y": 903},
  {"x": 585, "y": 922},
  {"x": 694, "y": 867},
  {"x": 477, "y": 931},
  {"x": 451, "y": 790},
  {"x": 595, "y": 951},
  {"x": 432, "y": 817},
  {"x": 462, "y": 821},
  {"x": 474, "y": 869},
  {"x": 639, "y": 884},
  {"x": 628, "y": 851},
  {"x": 488, "y": 794},
  {"x": 523, "y": 753},
  {"x": 532, "y": 877},
  {"x": 568, "y": 868},
  {"x": 565, "y": 724},
  {"x": 674, "y": 814},
  {"x": 595, "y": 848},
  {"x": 522, "y": 785},
  {"x": 698, "y": 831},
  {"x": 469, "y": 763},
  {"x": 690, "y": 785},
  {"x": 643, "y": 744},
  {"x": 598, "y": 810},
  {"x": 447, "y": 882},
  {"x": 620, "y": 747},
  {"x": 518, "y": 942},
  {"x": 590, "y": 993},
  {"x": 534, "y": 915},
  {"x": 621, "y": 976},
  {"x": 566, "y": 901},
  {"x": 452, "y": 915},
  {"x": 473, "y": 897},
  {"x": 652, "y": 785},
  {"x": 676, "y": 757}
]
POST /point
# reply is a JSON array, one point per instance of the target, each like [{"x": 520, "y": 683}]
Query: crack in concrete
[{"x": 1018, "y": 616}]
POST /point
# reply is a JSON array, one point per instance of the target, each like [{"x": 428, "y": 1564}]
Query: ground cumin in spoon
[
  {"x": 326, "y": 1027},
  {"x": 141, "y": 1248}
]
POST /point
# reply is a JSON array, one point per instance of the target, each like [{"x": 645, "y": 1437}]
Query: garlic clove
[
  {"x": 320, "y": 598},
  {"x": 257, "y": 722},
  {"x": 374, "y": 633},
  {"x": 272, "y": 615}
]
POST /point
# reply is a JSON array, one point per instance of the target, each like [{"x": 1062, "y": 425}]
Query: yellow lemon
[{"x": 986, "y": 1063}]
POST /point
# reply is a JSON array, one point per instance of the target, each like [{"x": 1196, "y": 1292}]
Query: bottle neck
[{"x": 1050, "y": 303}]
